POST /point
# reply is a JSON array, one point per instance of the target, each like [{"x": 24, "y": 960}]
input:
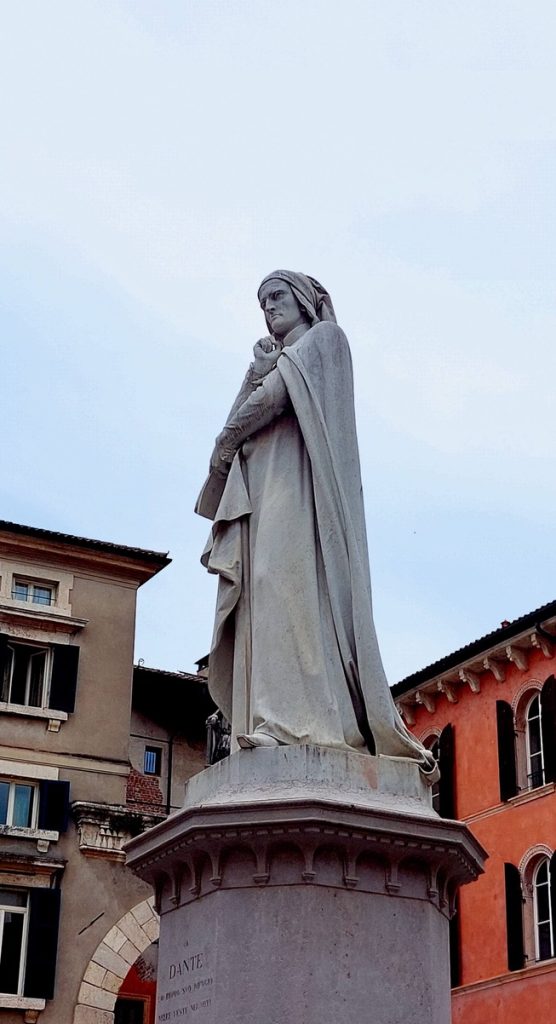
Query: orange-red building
[{"x": 489, "y": 710}]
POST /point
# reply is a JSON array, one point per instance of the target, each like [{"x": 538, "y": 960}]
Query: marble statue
[{"x": 294, "y": 657}]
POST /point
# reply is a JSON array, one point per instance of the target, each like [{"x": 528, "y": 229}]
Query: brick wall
[{"x": 143, "y": 791}]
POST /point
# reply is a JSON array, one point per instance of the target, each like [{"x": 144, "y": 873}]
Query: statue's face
[{"x": 280, "y": 307}]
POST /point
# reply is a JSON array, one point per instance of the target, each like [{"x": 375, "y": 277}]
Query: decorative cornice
[
  {"x": 192, "y": 853},
  {"x": 104, "y": 828},
  {"x": 468, "y": 673}
]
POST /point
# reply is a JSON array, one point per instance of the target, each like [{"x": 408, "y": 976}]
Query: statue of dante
[{"x": 294, "y": 656}]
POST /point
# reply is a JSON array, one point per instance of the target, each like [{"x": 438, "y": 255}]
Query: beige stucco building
[{"x": 91, "y": 752}]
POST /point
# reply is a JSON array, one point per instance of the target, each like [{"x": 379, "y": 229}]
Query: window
[
  {"x": 444, "y": 790},
  {"x": 542, "y": 908},
  {"x": 34, "y": 592},
  {"x": 28, "y": 941},
  {"x": 527, "y": 739},
  {"x": 18, "y": 803},
  {"x": 35, "y": 676},
  {"x": 433, "y": 744},
  {"x": 129, "y": 1011},
  {"x": 152, "y": 761},
  {"x": 26, "y": 671},
  {"x": 533, "y": 736},
  {"x": 30, "y": 804},
  {"x": 13, "y": 939}
]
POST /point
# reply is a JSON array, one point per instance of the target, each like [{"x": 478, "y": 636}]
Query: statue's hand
[
  {"x": 266, "y": 354},
  {"x": 222, "y": 455}
]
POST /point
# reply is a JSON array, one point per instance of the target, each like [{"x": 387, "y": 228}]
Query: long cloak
[{"x": 294, "y": 650}]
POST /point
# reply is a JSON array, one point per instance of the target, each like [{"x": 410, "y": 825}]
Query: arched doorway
[
  {"x": 137, "y": 996},
  {"x": 113, "y": 959}
]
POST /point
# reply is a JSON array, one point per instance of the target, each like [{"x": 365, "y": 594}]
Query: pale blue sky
[{"x": 159, "y": 158}]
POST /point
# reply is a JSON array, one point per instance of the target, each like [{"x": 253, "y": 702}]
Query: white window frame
[
  {"x": 32, "y": 585},
  {"x": 544, "y": 862},
  {"x": 529, "y": 755},
  {"x": 24, "y": 937},
  {"x": 40, "y": 648},
  {"x": 11, "y": 801}
]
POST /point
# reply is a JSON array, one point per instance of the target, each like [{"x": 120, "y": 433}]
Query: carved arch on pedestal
[{"x": 112, "y": 959}]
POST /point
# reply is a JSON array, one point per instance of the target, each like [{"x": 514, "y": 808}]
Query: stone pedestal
[{"x": 305, "y": 885}]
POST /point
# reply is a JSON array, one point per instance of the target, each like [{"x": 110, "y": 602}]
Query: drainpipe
[{"x": 170, "y": 766}]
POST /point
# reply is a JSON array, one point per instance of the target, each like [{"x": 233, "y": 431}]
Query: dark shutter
[
  {"x": 42, "y": 943},
  {"x": 548, "y": 722},
  {"x": 514, "y": 918},
  {"x": 63, "y": 681},
  {"x": 455, "y": 948},
  {"x": 54, "y": 805},
  {"x": 3, "y": 657},
  {"x": 446, "y": 763},
  {"x": 506, "y": 750}
]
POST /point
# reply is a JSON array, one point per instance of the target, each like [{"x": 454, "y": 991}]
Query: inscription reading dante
[
  {"x": 190, "y": 993},
  {"x": 187, "y": 966}
]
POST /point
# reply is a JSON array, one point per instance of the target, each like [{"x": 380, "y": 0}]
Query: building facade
[
  {"x": 489, "y": 712},
  {"x": 91, "y": 753}
]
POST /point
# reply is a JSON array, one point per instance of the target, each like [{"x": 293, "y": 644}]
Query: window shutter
[
  {"x": 3, "y": 656},
  {"x": 63, "y": 681},
  {"x": 455, "y": 947},
  {"x": 54, "y": 805},
  {"x": 514, "y": 917},
  {"x": 548, "y": 722},
  {"x": 506, "y": 750},
  {"x": 42, "y": 943},
  {"x": 446, "y": 763}
]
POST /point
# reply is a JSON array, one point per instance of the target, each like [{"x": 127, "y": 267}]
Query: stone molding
[
  {"x": 534, "y": 853},
  {"x": 530, "y": 686},
  {"x": 347, "y": 820},
  {"x": 205, "y": 858},
  {"x": 111, "y": 961},
  {"x": 29, "y": 1008}
]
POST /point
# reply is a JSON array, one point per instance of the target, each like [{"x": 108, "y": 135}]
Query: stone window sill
[
  {"x": 54, "y": 718},
  {"x": 41, "y": 836},
  {"x": 28, "y": 612},
  {"x": 531, "y": 794},
  {"x": 30, "y": 1007}
]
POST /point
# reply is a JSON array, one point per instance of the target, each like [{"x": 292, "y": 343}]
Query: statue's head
[
  {"x": 289, "y": 299},
  {"x": 282, "y": 311}
]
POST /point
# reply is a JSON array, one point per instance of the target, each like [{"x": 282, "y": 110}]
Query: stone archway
[{"x": 110, "y": 963}]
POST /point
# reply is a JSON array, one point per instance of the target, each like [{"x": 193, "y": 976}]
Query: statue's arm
[
  {"x": 266, "y": 356},
  {"x": 260, "y": 408},
  {"x": 250, "y": 382}
]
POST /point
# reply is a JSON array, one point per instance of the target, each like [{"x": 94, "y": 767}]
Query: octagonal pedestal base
[{"x": 305, "y": 885}]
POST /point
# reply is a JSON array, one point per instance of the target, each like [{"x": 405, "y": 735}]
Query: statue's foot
[{"x": 256, "y": 739}]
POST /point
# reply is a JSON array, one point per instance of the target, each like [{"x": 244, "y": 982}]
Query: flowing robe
[{"x": 294, "y": 652}]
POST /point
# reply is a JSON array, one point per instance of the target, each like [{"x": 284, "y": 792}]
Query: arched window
[
  {"x": 432, "y": 743},
  {"x": 444, "y": 791},
  {"x": 527, "y": 738},
  {"x": 534, "y": 743},
  {"x": 542, "y": 909}
]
